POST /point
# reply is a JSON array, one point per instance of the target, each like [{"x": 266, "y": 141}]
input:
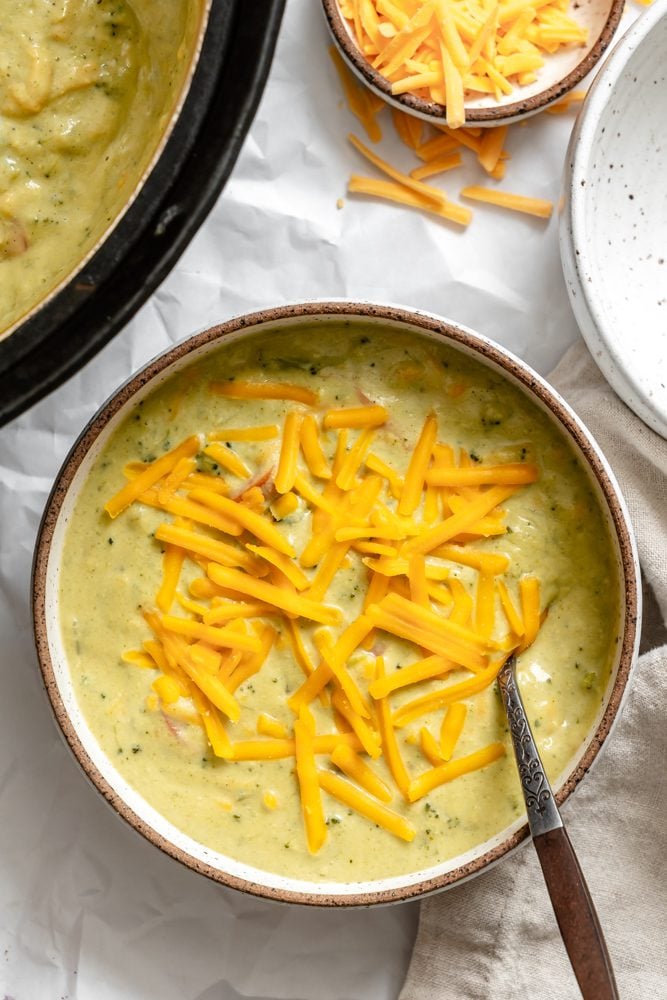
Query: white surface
[
  {"x": 614, "y": 232},
  {"x": 88, "y": 910}
]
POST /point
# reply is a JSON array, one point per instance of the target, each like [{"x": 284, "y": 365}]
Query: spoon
[{"x": 577, "y": 920}]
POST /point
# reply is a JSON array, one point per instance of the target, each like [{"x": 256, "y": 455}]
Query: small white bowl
[
  {"x": 613, "y": 231},
  {"x": 561, "y": 72}
]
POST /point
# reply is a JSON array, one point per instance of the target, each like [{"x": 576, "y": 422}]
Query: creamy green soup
[
  {"x": 556, "y": 530},
  {"x": 87, "y": 88}
]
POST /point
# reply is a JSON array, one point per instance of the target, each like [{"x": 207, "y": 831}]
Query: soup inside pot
[{"x": 87, "y": 91}]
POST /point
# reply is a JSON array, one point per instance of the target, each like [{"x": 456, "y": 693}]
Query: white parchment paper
[{"x": 88, "y": 910}]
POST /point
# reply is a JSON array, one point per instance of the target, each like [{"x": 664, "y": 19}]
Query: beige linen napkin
[{"x": 495, "y": 938}]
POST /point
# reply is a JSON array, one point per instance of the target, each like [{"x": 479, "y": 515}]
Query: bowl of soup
[{"x": 277, "y": 577}]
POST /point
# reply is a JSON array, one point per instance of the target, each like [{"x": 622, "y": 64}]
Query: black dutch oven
[{"x": 99, "y": 299}]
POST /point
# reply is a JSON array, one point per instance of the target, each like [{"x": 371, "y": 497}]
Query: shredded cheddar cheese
[
  {"x": 516, "y": 202},
  {"x": 408, "y": 533},
  {"x": 446, "y": 51},
  {"x": 439, "y": 147}
]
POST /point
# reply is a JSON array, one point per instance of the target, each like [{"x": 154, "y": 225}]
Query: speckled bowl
[
  {"x": 614, "y": 225},
  {"x": 561, "y": 73},
  {"x": 101, "y": 769}
]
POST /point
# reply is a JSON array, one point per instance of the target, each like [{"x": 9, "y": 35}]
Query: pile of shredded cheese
[
  {"x": 443, "y": 50},
  {"x": 404, "y": 534},
  {"x": 438, "y": 149}
]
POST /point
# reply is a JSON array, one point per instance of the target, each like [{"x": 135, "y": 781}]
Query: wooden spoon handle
[{"x": 576, "y": 916}]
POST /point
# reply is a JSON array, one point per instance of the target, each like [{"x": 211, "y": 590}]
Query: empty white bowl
[{"x": 614, "y": 225}]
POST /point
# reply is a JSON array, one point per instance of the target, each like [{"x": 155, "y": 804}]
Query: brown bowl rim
[
  {"x": 503, "y": 113},
  {"x": 450, "y": 332}
]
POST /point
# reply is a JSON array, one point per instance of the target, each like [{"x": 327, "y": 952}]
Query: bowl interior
[
  {"x": 561, "y": 71},
  {"x": 619, "y": 218},
  {"x": 101, "y": 769}
]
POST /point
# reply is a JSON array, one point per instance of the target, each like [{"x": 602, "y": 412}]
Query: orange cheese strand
[
  {"x": 430, "y": 194},
  {"x": 151, "y": 475},
  {"x": 419, "y": 460},
  {"x": 265, "y": 433},
  {"x": 233, "y": 610},
  {"x": 529, "y": 591},
  {"x": 264, "y": 390},
  {"x": 461, "y": 521},
  {"x": 293, "y": 603},
  {"x": 434, "y": 624},
  {"x": 209, "y": 548},
  {"x": 252, "y": 663},
  {"x": 389, "y": 742},
  {"x": 299, "y": 650},
  {"x": 336, "y": 658},
  {"x": 518, "y": 474},
  {"x": 189, "y": 510},
  {"x": 354, "y": 767},
  {"x": 309, "y": 788},
  {"x": 426, "y": 782},
  {"x": 346, "y": 477},
  {"x": 362, "y": 803},
  {"x": 207, "y": 482},
  {"x": 312, "y": 449},
  {"x": 213, "y": 724},
  {"x": 485, "y": 604},
  {"x": 225, "y": 637},
  {"x": 438, "y": 699},
  {"x": 368, "y": 738},
  {"x": 257, "y": 524},
  {"x": 274, "y": 749},
  {"x": 289, "y": 569},
  {"x": 452, "y": 727},
  {"x": 429, "y": 747},
  {"x": 227, "y": 459},
  {"x": 513, "y": 617},
  {"x": 177, "y": 649},
  {"x": 138, "y": 658},
  {"x": 439, "y": 165},
  {"x": 516, "y": 202},
  {"x": 396, "y": 191},
  {"x": 171, "y": 482},
  {"x": 415, "y": 673},
  {"x": 356, "y": 97},
  {"x": 289, "y": 453},
  {"x": 172, "y": 563},
  {"x": 356, "y": 416},
  {"x": 487, "y": 562}
]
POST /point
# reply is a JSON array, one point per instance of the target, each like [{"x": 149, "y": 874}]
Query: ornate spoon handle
[{"x": 577, "y": 920}]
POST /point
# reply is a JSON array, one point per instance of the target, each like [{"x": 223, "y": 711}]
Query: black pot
[{"x": 182, "y": 188}]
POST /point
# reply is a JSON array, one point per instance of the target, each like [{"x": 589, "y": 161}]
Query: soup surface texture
[
  {"x": 87, "y": 88},
  {"x": 553, "y": 530}
]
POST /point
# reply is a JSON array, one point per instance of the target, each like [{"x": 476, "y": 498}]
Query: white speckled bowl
[
  {"x": 102, "y": 769},
  {"x": 614, "y": 225},
  {"x": 560, "y": 73}
]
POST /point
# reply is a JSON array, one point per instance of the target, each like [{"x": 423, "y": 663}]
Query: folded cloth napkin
[{"x": 496, "y": 938}]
